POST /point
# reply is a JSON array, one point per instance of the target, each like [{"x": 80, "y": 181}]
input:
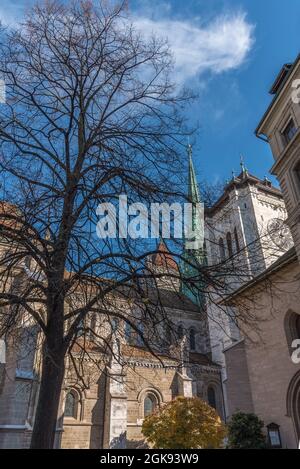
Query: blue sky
[{"x": 229, "y": 51}]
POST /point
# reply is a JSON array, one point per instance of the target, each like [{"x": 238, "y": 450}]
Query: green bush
[{"x": 245, "y": 432}]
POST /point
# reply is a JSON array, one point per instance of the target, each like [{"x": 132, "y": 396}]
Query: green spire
[
  {"x": 193, "y": 190},
  {"x": 194, "y": 257}
]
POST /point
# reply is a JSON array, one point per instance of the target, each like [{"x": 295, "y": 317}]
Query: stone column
[
  {"x": 186, "y": 380},
  {"x": 117, "y": 405},
  {"x": 2, "y": 363}
]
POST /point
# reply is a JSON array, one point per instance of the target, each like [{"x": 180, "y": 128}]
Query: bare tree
[{"x": 91, "y": 113}]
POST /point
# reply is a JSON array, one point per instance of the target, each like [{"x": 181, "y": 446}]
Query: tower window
[
  {"x": 192, "y": 339},
  {"x": 211, "y": 397},
  {"x": 236, "y": 239},
  {"x": 222, "y": 249},
  {"x": 180, "y": 332},
  {"x": 229, "y": 244},
  {"x": 289, "y": 131},
  {"x": 129, "y": 335},
  {"x": 168, "y": 333},
  {"x": 150, "y": 404},
  {"x": 140, "y": 335}
]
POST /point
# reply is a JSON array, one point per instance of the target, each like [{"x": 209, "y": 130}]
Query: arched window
[
  {"x": 180, "y": 332},
  {"x": 292, "y": 328},
  {"x": 140, "y": 335},
  {"x": 229, "y": 244},
  {"x": 150, "y": 404},
  {"x": 168, "y": 332},
  {"x": 236, "y": 239},
  {"x": 71, "y": 404},
  {"x": 222, "y": 249},
  {"x": 298, "y": 326},
  {"x": 211, "y": 397},
  {"x": 129, "y": 336},
  {"x": 192, "y": 339}
]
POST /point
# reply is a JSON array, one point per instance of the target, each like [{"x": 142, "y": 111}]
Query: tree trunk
[{"x": 49, "y": 397}]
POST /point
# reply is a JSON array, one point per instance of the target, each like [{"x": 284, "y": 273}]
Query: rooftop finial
[
  {"x": 189, "y": 149},
  {"x": 243, "y": 167}
]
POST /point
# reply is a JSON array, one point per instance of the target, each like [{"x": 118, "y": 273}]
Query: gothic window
[
  {"x": 229, "y": 244},
  {"x": 292, "y": 328},
  {"x": 180, "y": 332},
  {"x": 222, "y": 249},
  {"x": 140, "y": 335},
  {"x": 26, "y": 349},
  {"x": 71, "y": 404},
  {"x": 192, "y": 339},
  {"x": 132, "y": 336},
  {"x": 150, "y": 404},
  {"x": 128, "y": 333},
  {"x": 236, "y": 239},
  {"x": 211, "y": 397},
  {"x": 168, "y": 332},
  {"x": 297, "y": 326}
]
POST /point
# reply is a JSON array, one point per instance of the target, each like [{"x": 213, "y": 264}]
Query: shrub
[
  {"x": 184, "y": 423},
  {"x": 245, "y": 432}
]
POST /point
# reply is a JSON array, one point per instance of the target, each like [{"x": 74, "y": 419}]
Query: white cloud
[{"x": 221, "y": 45}]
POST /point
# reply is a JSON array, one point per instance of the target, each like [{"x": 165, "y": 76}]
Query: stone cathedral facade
[
  {"x": 231, "y": 365},
  {"x": 107, "y": 408}
]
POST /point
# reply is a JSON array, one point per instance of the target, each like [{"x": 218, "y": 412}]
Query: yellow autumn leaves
[{"x": 184, "y": 423}]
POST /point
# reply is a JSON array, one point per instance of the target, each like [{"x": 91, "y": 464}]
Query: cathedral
[
  {"x": 105, "y": 407},
  {"x": 233, "y": 343}
]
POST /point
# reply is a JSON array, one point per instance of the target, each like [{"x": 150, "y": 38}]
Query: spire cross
[
  {"x": 242, "y": 163},
  {"x": 189, "y": 150}
]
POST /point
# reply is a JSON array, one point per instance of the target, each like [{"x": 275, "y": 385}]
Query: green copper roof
[
  {"x": 193, "y": 258},
  {"x": 193, "y": 190}
]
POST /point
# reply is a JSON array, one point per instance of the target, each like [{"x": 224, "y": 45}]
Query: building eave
[
  {"x": 259, "y": 129},
  {"x": 286, "y": 259}
]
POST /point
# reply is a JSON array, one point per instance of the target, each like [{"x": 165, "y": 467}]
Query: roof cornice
[{"x": 281, "y": 88}]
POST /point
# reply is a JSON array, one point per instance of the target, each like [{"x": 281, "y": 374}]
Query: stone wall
[{"x": 266, "y": 351}]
